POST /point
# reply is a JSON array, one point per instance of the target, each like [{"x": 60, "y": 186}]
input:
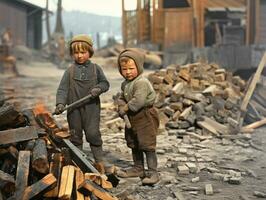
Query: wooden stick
[
  {"x": 250, "y": 90},
  {"x": 256, "y": 124}
]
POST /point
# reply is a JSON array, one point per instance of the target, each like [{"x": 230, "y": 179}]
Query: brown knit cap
[
  {"x": 136, "y": 54},
  {"x": 83, "y": 38}
]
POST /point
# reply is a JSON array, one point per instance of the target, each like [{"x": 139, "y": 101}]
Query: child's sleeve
[
  {"x": 62, "y": 91},
  {"x": 103, "y": 83},
  {"x": 138, "y": 101}
]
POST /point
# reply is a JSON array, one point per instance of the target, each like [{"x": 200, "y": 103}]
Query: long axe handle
[{"x": 75, "y": 103}]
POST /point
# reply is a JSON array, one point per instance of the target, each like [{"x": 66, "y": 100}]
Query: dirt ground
[{"x": 217, "y": 159}]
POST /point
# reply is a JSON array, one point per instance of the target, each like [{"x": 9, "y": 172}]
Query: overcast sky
[{"x": 100, "y": 7}]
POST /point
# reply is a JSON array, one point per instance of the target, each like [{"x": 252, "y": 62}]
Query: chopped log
[
  {"x": 29, "y": 114},
  {"x": 184, "y": 115},
  {"x": 18, "y": 135},
  {"x": 256, "y": 124},
  {"x": 88, "y": 187},
  {"x": 39, "y": 188},
  {"x": 78, "y": 180},
  {"x": 22, "y": 173},
  {"x": 55, "y": 169},
  {"x": 39, "y": 157},
  {"x": 7, "y": 182},
  {"x": 66, "y": 183},
  {"x": 179, "y": 88},
  {"x": 184, "y": 74},
  {"x": 8, "y": 114},
  {"x": 195, "y": 84},
  {"x": 13, "y": 152},
  {"x": 211, "y": 90}
]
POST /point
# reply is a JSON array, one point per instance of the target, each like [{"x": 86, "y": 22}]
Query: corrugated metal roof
[{"x": 226, "y": 3}]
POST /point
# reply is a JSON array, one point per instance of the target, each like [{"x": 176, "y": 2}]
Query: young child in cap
[
  {"x": 81, "y": 79},
  {"x": 137, "y": 101}
]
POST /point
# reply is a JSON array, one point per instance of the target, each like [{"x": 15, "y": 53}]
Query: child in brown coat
[{"x": 137, "y": 101}]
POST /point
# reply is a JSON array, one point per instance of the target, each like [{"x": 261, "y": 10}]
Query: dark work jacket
[{"x": 78, "y": 80}]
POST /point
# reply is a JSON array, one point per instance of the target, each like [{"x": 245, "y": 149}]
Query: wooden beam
[
  {"x": 18, "y": 135},
  {"x": 40, "y": 187},
  {"x": 22, "y": 173},
  {"x": 66, "y": 184}
]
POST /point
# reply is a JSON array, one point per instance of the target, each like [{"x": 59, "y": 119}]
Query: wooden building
[
  {"x": 256, "y": 18},
  {"x": 24, "y": 20},
  {"x": 189, "y": 23}
]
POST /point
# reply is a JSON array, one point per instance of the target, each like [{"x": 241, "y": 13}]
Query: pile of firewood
[
  {"x": 199, "y": 97},
  {"x": 38, "y": 161}
]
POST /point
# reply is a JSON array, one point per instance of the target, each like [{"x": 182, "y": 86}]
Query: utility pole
[
  {"x": 59, "y": 25},
  {"x": 48, "y": 24}
]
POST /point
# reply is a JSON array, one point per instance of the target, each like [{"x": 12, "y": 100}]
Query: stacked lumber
[
  {"x": 38, "y": 161},
  {"x": 110, "y": 53},
  {"x": 198, "y": 97}
]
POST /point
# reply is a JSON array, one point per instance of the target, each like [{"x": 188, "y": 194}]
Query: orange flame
[{"x": 40, "y": 109}]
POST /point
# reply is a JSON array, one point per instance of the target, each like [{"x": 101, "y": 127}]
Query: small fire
[{"x": 40, "y": 109}]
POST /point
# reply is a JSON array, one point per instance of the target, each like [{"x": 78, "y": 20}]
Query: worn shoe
[
  {"x": 151, "y": 178},
  {"x": 130, "y": 172},
  {"x": 100, "y": 167}
]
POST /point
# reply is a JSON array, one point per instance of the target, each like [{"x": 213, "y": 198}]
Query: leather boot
[
  {"x": 97, "y": 152},
  {"x": 152, "y": 176},
  {"x": 137, "y": 170}
]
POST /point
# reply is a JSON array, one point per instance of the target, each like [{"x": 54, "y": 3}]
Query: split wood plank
[
  {"x": 55, "y": 169},
  {"x": 66, "y": 184},
  {"x": 88, "y": 187},
  {"x": 18, "y": 135},
  {"x": 79, "y": 178},
  {"x": 22, "y": 173},
  {"x": 40, "y": 187}
]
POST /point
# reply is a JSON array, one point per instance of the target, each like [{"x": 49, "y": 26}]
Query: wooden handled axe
[{"x": 76, "y": 103}]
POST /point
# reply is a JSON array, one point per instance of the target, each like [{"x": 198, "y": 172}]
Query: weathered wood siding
[
  {"x": 262, "y": 25},
  {"x": 15, "y": 18},
  {"x": 178, "y": 27}
]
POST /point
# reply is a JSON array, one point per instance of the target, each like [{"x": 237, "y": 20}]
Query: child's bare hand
[
  {"x": 122, "y": 110},
  {"x": 96, "y": 92},
  {"x": 59, "y": 109}
]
